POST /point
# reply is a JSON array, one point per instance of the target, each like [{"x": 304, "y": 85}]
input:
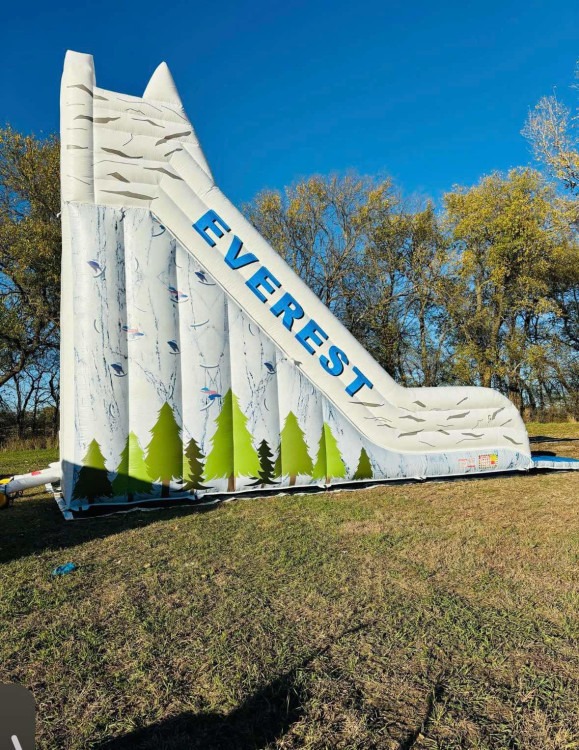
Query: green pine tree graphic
[
  {"x": 267, "y": 472},
  {"x": 193, "y": 466},
  {"x": 232, "y": 454},
  {"x": 364, "y": 470},
  {"x": 132, "y": 476},
  {"x": 165, "y": 451},
  {"x": 93, "y": 479},
  {"x": 293, "y": 457},
  {"x": 329, "y": 461}
]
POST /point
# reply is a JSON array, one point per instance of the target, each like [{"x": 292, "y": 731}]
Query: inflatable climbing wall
[{"x": 194, "y": 362}]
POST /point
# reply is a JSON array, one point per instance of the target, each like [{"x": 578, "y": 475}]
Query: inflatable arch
[{"x": 194, "y": 361}]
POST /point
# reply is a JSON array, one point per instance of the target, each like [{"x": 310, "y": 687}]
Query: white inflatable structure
[{"x": 194, "y": 361}]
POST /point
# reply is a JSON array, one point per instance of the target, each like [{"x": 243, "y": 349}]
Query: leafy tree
[
  {"x": 364, "y": 470},
  {"x": 29, "y": 400},
  {"x": 320, "y": 226},
  {"x": 30, "y": 244},
  {"x": 232, "y": 454},
  {"x": 507, "y": 240},
  {"x": 93, "y": 479},
  {"x": 425, "y": 265},
  {"x": 165, "y": 451},
  {"x": 551, "y": 129},
  {"x": 329, "y": 462},
  {"x": 373, "y": 260},
  {"x": 132, "y": 476},
  {"x": 293, "y": 457},
  {"x": 194, "y": 466}
]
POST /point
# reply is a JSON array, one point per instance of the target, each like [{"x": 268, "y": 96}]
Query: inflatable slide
[{"x": 195, "y": 364}]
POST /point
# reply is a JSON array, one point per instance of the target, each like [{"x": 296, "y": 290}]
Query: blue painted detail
[
  {"x": 96, "y": 268},
  {"x": 555, "y": 459},
  {"x": 211, "y": 221},
  {"x": 176, "y": 295},
  {"x": 266, "y": 280},
  {"x": 289, "y": 308},
  {"x": 359, "y": 382},
  {"x": 334, "y": 364},
  {"x": 234, "y": 260},
  {"x": 118, "y": 370},
  {"x": 311, "y": 332}
]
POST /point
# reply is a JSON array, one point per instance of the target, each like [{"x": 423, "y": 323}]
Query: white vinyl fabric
[{"x": 187, "y": 340}]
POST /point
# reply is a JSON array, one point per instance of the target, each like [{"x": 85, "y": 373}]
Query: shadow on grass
[
  {"x": 266, "y": 716},
  {"x": 435, "y": 697},
  {"x": 34, "y": 524},
  {"x": 263, "y": 718}
]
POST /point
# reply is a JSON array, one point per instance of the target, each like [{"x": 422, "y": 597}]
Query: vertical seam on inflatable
[
  {"x": 179, "y": 367},
  {"x": 128, "y": 399}
]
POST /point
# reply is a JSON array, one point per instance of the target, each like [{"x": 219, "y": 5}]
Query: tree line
[
  {"x": 483, "y": 292},
  {"x": 482, "y": 289}
]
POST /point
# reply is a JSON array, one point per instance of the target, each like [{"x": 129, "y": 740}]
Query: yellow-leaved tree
[{"x": 509, "y": 243}]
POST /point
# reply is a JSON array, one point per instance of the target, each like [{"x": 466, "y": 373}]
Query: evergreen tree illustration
[
  {"x": 165, "y": 451},
  {"x": 93, "y": 479},
  {"x": 267, "y": 471},
  {"x": 232, "y": 454},
  {"x": 193, "y": 466},
  {"x": 329, "y": 461},
  {"x": 364, "y": 470},
  {"x": 293, "y": 457},
  {"x": 132, "y": 476}
]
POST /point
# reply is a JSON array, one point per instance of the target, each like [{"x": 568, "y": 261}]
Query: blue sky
[{"x": 432, "y": 93}]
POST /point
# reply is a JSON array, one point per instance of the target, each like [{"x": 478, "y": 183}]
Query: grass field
[{"x": 436, "y": 615}]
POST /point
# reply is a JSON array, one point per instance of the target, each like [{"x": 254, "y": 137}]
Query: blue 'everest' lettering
[
  {"x": 212, "y": 221},
  {"x": 311, "y": 332},
  {"x": 266, "y": 280},
  {"x": 263, "y": 284},
  {"x": 234, "y": 259},
  {"x": 359, "y": 382},
  {"x": 289, "y": 308},
  {"x": 334, "y": 363}
]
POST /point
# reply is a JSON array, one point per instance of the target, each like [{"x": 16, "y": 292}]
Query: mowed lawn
[{"x": 436, "y": 615}]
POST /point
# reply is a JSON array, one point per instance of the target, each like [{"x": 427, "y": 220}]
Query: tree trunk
[
  {"x": 424, "y": 349},
  {"x": 486, "y": 377},
  {"x": 292, "y": 480},
  {"x": 165, "y": 488},
  {"x": 231, "y": 483},
  {"x": 21, "y": 427}
]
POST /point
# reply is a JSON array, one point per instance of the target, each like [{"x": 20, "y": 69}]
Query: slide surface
[{"x": 194, "y": 361}]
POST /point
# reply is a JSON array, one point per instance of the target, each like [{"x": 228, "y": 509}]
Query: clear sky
[{"x": 432, "y": 92}]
